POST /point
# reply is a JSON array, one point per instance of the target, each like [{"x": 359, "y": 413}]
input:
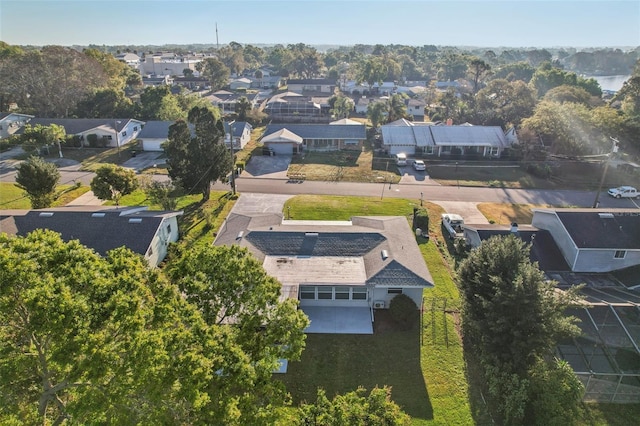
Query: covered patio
[{"x": 339, "y": 320}]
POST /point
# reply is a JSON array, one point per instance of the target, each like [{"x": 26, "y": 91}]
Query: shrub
[
  {"x": 404, "y": 311},
  {"x": 93, "y": 140},
  {"x": 421, "y": 219}
]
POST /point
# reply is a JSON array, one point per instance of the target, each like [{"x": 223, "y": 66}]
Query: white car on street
[
  {"x": 419, "y": 165},
  {"x": 624, "y": 192}
]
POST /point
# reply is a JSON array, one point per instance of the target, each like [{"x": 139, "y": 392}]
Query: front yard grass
[
  {"x": 351, "y": 166},
  {"x": 424, "y": 366},
  {"x": 92, "y": 158},
  {"x": 12, "y": 197}
]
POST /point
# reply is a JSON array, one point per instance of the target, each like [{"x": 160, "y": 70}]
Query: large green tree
[
  {"x": 233, "y": 292},
  {"x": 376, "y": 113},
  {"x": 38, "y": 178},
  {"x": 51, "y": 81},
  {"x": 86, "y": 339},
  {"x": 215, "y": 71},
  {"x": 195, "y": 161},
  {"x": 113, "y": 182},
  {"x": 502, "y": 102},
  {"x": 513, "y": 317},
  {"x": 34, "y": 138}
]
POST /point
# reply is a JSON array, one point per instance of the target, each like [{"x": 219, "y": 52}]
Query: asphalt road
[
  {"x": 433, "y": 193},
  {"x": 415, "y": 191}
]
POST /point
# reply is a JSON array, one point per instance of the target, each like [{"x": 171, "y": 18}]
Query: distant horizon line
[{"x": 330, "y": 45}]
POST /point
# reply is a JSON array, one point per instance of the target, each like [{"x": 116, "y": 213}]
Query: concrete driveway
[
  {"x": 270, "y": 167},
  {"x": 468, "y": 210},
  {"x": 143, "y": 160},
  {"x": 260, "y": 203}
]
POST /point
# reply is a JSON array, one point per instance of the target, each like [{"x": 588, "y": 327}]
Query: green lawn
[
  {"x": 425, "y": 366},
  {"x": 12, "y": 197}
]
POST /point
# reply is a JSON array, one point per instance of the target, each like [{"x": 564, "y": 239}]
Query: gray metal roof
[
  {"x": 321, "y": 131},
  {"x": 603, "y": 229},
  {"x": 406, "y": 133}
]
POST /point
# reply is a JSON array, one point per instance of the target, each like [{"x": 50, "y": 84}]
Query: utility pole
[
  {"x": 614, "y": 149},
  {"x": 233, "y": 158}
]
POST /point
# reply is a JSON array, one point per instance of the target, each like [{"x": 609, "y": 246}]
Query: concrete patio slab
[{"x": 341, "y": 320}]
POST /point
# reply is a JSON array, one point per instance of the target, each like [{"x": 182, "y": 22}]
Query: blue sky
[{"x": 514, "y": 23}]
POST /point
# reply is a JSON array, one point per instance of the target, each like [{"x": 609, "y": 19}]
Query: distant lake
[{"x": 610, "y": 82}]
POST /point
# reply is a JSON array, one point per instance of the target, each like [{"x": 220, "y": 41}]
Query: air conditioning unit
[{"x": 378, "y": 304}]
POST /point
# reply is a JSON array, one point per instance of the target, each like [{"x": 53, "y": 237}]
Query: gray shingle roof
[
  {"x": 274, "y": 243},
  {"x": 366, "y": 237},
  {"x": 321, "y": 131},
  {"x": 75, "y": 126},
  {"x": 101, "y": 230},
  {"x": 591, "y": 229}
]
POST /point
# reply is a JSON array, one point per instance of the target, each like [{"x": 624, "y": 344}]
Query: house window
[
  {"x": 107, "y": 137},
  {"x": 359, "y": 293},
  {"x": 620, "y": 254},
  {"x": 150, "y": 252},
  {"x": 325, "y": 293},
  {"x": 169, "y": 228},
  {"x": 308, "y": 292},
  {"x": 493, "y": 151},
  {"x": 428, "y": 150},
  {"x": 124, "y": 133},
  {"x": 394, "y": 291},
  {"x": 135, "y": 128},
  {"x": 342, "y": 293}
]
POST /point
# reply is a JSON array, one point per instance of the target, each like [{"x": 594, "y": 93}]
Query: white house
[
  {"x": 294, "y": 138},
  {"x": 593, "y": 240},
  {"x": 443, "y": 140},
  {"x": 147, "y": 233},
  {"x": 154, "y": 134},
  {"x": 11, "y": 122},
  {"x": 110, "y": 132},
  {"x": 241, "y": 134},
  {"x": 240, "y": 83},
  {"x": 352, "y": 267}
]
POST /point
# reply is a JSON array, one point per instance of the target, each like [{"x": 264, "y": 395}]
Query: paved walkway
[{"x": 86, "y": 199}]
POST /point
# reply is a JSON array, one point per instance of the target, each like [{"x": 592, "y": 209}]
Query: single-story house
[
  {"x": 292, "y": 104},
  {"x": 11, "y": 122},
  {"x": 295, "y": 138},
  {"x": 111, "y": 132},
  {"x": 193, "y": 83},
  {"x": 147, "y": 233},
  {"x": 543, "y": 247},
  {"x": 411, "y": 138},
  {"x": 593, "y": 240},
  {"x": 154, "y": 134},
  {"x": 226, "y": 100},
  {"x": 351, "y": 267},
  {"x": 241, "y": 134},
  {"x": 321, "y": 85},
  {"x": 240, "y": 83}
]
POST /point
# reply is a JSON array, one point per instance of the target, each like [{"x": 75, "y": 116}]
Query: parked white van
[{"x": 401, "y": 159}]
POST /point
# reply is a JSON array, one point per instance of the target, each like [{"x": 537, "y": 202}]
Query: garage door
[
  {"x": 333, "y": 296},
  {"x": 397, "y": 149},
  {"x": 281, "y": 148}
]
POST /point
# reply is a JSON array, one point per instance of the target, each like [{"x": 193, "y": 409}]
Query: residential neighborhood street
[{"x": 266, "y": 184}]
